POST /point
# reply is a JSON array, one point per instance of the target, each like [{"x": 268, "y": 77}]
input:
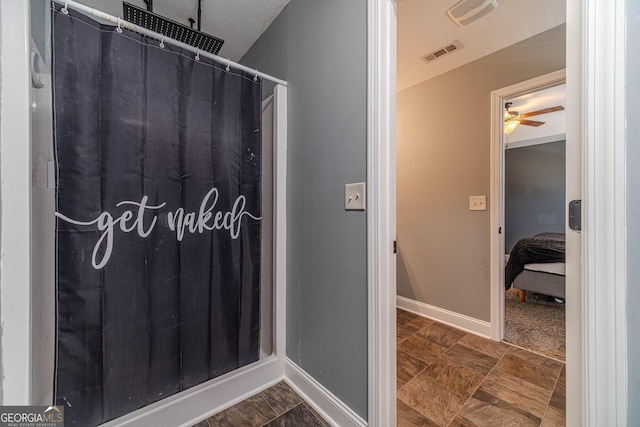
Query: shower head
[{"x": 172, "y": 29}]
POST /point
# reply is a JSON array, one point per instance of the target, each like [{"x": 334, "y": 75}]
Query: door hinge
[{"x": 395, "y": 247}]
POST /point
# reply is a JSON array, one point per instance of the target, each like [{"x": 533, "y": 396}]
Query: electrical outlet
[{"x": 477, "y": 203}]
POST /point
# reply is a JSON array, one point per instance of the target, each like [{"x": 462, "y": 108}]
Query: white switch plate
[
  {"x": 477, "y": 203},
  {"x": 354, "y": 197}
]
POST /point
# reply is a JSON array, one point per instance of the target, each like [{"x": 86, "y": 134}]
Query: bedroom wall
[
  {"x": 320, "y": 47},
  {"x": 443, "y": 158},
  {"x": 534, "y": 191},
  {"x": 633, "y": 207}
]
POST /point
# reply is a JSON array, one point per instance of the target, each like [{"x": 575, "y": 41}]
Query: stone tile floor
[
  {"x": 446, "y": 377},
  {"x": 278, "y": 406}
]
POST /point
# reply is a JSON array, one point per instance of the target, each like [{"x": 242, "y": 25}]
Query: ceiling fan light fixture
[
  {"x": 513, "y": 118},
  {"x": 510, "y": 126}
]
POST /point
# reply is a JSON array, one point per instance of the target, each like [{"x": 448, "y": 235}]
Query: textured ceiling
[
  {"x": 424, "y": 26},
  {"x": 238, "y": 22}
]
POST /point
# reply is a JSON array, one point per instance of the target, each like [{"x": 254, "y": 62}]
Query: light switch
[
  {"x": 354, "y": 196},
  {"x": 477, "y": 203}
]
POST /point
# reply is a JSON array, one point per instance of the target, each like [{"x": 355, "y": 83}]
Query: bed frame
[{"x": 539, "y": 282}]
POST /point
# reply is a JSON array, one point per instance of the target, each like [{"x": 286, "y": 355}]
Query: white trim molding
[
  {"x": 280, "y": 219},
  {"x": 535, "y": 141},
  {"x": 381, "y": 211},
  {"x": 322, "y": 400},
  {"x": 604, "y": 214},
  {"x": 200, "y": 402},
  {"x": 451, "y": 318}
]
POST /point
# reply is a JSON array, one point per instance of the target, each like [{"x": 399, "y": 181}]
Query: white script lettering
[
  {"x": 205, "y": 219},
  {"x": 106, "y": 224}
]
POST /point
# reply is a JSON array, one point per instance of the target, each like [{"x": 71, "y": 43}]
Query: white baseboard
[
  {"x": 322, "y": 400},
  {"x": 457, "y": 320},
  {"x": 206, "y": 399},
  {"x": 216, "y": 395}
]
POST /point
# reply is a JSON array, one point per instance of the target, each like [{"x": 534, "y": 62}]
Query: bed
[{"x": 536, "y": 264}]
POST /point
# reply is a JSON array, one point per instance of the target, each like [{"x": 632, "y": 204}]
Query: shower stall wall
[{"x": 43, "y": 234}]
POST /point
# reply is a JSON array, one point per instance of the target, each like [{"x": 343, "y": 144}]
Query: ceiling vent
[
  {"x": 446, "y": 50},
  {"x": 468, "y": 11}
]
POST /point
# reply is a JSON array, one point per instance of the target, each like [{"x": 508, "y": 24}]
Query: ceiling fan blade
[
  {"x": 543, "y": 111},
  {"x": 531, "y": 123}
]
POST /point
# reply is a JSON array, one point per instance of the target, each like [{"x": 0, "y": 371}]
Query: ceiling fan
[{"x": 512, "y": 118}]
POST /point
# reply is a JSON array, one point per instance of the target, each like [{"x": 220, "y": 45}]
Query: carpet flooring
[{"x": 537, "y": 324}]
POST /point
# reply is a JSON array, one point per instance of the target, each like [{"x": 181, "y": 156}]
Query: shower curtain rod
[{"x": 162, "y": 38}]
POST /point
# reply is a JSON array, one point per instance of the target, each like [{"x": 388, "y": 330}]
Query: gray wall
[
  {"x": 320, "y": 48},
  {"x": 442, "y": 160},
  {"x": 1, "y": 332},
  {"x": 534, "y": 191},
  {"x": 633, "y": 207}
]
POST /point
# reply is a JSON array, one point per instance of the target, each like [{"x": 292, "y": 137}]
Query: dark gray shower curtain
[{"x": 158, "y": 219}]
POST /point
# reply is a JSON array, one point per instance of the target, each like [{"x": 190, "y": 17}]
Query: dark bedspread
[{"x": 541, "y": 248}]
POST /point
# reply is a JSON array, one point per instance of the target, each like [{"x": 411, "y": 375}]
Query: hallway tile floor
[{"x": 447, "y": 377}]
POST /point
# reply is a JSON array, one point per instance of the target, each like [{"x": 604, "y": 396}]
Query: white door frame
[
  {"x": 597, "y": 386},
  {"x": 496, "y": 201},
  {"x": 604, "y": 328},
  {"x": 381, "y": 210}
]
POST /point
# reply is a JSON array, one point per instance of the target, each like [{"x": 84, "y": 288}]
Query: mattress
[
  {"x": 558, "y": 268},
  {"x": 542, "y": 248}
]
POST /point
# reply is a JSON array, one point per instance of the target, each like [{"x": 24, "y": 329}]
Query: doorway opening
[
  {"x": 443, "y": 135},
  {"x": 533, "y": 193}
]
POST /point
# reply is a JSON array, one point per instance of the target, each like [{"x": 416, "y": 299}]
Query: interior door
[{"x": 573, "y": 313}]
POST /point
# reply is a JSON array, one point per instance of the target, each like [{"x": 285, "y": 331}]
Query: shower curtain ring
[
  {"x": 162, "y": 42},
  {"x": 119, "y": 29},
  {"x": 198, "y": 55},
  {"x": 64, "y": 9},
  {"x": 255, "y": 78},
  {"x": 228, "y": 63}
]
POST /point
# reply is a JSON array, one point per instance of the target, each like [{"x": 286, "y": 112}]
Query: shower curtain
[{"x": 157, "y": 219}]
